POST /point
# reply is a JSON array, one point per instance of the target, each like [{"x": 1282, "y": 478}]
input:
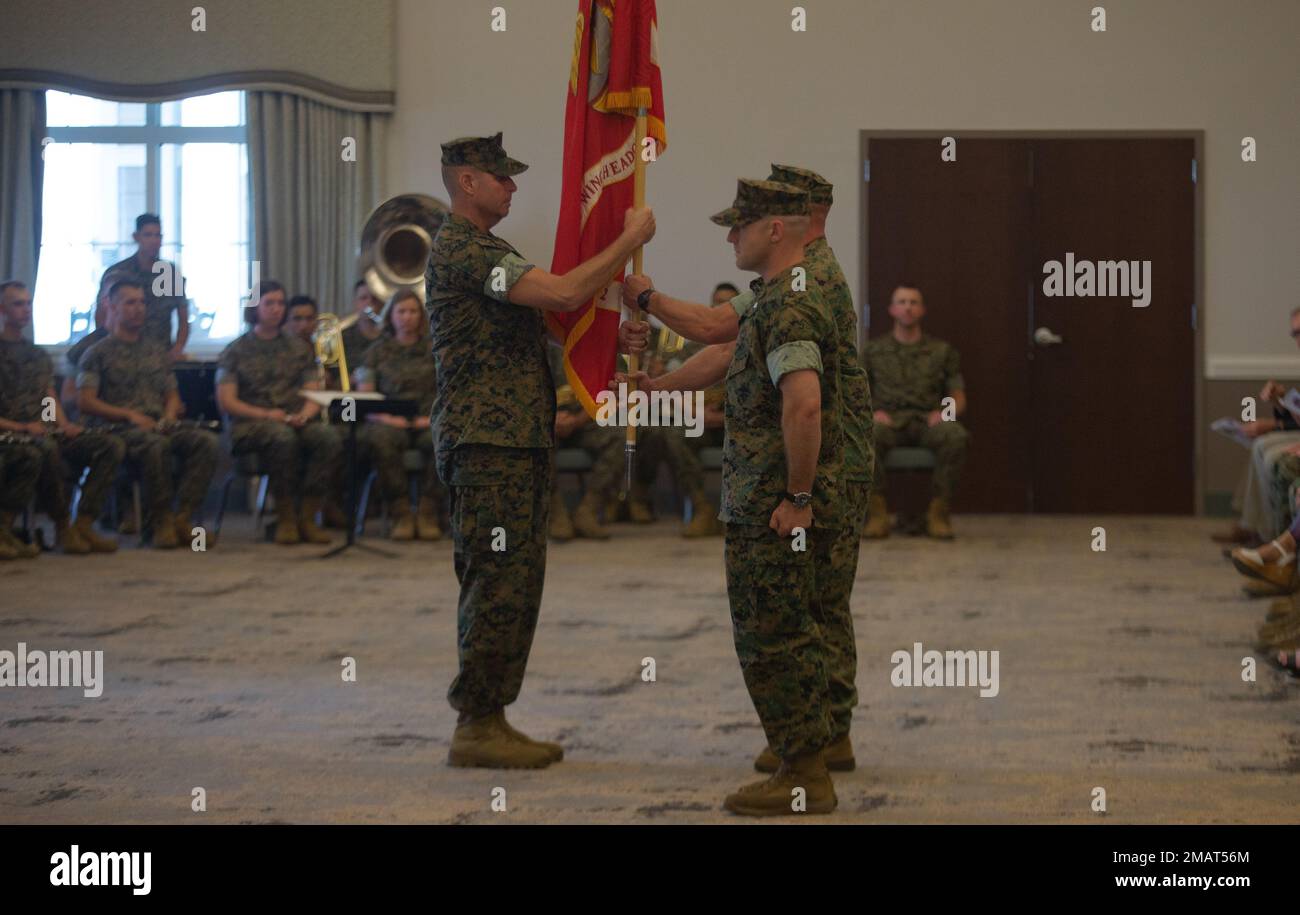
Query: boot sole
[
  {"x": 1251, "y": 572},
  {"x": 468, "y": 760},
  {"x": 740, "y": 808},
  {"x": 844, "y": 765}
]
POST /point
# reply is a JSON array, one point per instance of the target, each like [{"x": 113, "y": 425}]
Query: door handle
[{"x": 1044, "y": 337}]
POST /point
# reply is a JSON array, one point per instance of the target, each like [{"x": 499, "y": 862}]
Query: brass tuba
[{"x": 396, "y": 242}]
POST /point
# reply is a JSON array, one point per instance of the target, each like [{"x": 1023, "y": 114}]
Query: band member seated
[
  {"x": 603, "y": 444},
  {"x": 259, "y": 377},
  {"x": 359, "y": 337},
  {"x": 301, "y": 321},
  {"x": 126, "y": 387},
  {"x": 30, "y": 410},
  {"x": 399, "y": 365}
]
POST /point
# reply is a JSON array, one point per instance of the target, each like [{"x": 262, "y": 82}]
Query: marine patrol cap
[
  {"x": 818, "y": 188},
  {"x": 756, "y": 199},
  {"x": 485, "y": 153}
]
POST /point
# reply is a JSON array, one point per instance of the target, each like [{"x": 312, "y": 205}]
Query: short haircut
[
  {"x": 898, "y": 286},
  {"x": 728, "y": 287},
  {"x": 147, "y": 219},
  {"x": 7, "y": 284},
  {"x": 1294, "y": 311},
  {"x": 265, "y": 287},
  {"x": 123, "y": 284},
  {"x": 302, "y": 300},
  {"x": 358, "y": 284}
]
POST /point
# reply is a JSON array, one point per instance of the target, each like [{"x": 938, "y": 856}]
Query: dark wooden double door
[{"x": 1102, "y": 421}]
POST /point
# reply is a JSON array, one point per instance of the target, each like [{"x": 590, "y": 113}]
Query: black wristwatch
[
  {"x": 643, "y": 300},
  {"x": 799, "y": 499}
]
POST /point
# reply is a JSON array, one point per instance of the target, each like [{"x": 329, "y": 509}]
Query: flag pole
[{"x": 633, "y": 362}]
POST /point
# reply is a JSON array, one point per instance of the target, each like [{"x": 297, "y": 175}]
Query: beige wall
[{"x": 743, "y": 90}]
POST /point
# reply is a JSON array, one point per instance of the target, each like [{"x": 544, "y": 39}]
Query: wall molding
[
  {"x": 1232, "y": 367},
  {"x": 256, "y": 80}
]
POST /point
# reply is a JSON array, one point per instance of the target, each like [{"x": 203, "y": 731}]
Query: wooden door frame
[{"x": 1198, "y": 245}]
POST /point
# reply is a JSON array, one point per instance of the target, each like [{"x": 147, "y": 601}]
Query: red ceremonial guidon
[{"x": 614, "y": 71}]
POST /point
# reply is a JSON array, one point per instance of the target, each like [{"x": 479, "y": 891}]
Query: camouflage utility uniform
[
  {"x": 26, "y": 374},
  {"x": 493, "y": 428},
  {"x": 269, "y": 374},
  {"x": 401, "y": 373},
  {"x": 158, "y": 308},
  {"x": 138, "y": 376},
  {"x": 909, "y": 381}
]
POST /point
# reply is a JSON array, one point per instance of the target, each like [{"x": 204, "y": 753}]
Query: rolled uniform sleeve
[
  {"x": 89, "y": 372},
  {"x": 503, "y": 276},
  {"x": 742, "y": 302},
  {"x": 792, "y": 341}
]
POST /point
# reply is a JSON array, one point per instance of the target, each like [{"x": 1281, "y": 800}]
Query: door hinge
[
  {"x": 866, "y": 169},
  {"x": 1193, "y": 171}
]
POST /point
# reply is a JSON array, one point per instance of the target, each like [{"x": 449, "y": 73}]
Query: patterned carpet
[{"x": 1119, "y": 670}]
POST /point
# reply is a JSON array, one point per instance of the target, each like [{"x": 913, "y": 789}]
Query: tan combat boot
[
  {"x": 84, "y": 526},
  {"x": 9, "y": 539},
  {"x": 286, "y": 523},
  {"x": 561, "y": 523},
  {"x": 585, "y": 522},
  {"x": 638, "y": 505},
  {"x": 68, "y": 539},
  {"x": 704, "y": 522},
  {"x": 333, "y": 516},
  {"x": 307, "y": 527},
  {"x": 877, "y": 518},
  {"x": 553, "y": 750},
  {"x": 485, "y": 743},
  {"x": 838, "y": 755},
  {"x": 185, "y": 526},
  {"x": 164, "y": 530},
  {"x": 937, "y": 524},
  {"x": 7, "y": 549},
  {"x": 426, "y": 520},
  {"x": 777, "y": 796},
  {"x": 403, "y": 521}
]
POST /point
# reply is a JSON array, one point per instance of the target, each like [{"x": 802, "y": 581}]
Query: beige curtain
[
  {"x": 22, "y": 170},
  {"x": 316, "y": 172}
]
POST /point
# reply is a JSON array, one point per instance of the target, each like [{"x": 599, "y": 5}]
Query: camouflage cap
[
  {"x": 484, "y": 153},
  {"x": 756, "y": 199},
  {"x": 818, "y": 188}
]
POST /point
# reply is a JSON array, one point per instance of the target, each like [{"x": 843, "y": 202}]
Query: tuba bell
[{"x": 396, "y": 242}]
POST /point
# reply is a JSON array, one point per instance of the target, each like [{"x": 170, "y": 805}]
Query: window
[{"x": 185, "y": 160}]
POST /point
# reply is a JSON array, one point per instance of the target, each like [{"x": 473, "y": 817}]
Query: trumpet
[{"x": 327, "y": 339}]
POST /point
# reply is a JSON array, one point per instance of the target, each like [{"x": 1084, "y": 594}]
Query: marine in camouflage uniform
[
  {"x": 493, "y": 428},
  {"x": 268, "y": 374},
  {"x": 20, "y": 468},
  {"x": 159, "y": 308},
  {"x": 136, "y": 375},
  {"x": 777, "y": 607},
  {"x": 26, "y": 379},
  {"x": 604, "y": 444},
  {"x": 909, "y": 381},
  {"x": 403, "y": 372}
]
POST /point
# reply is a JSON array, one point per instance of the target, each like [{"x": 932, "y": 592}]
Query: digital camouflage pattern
[
  {"x": 26, "y": 376},
  {"x": 494, "y": 386},
  {"x": 404, "y": 373},
  {"x": 269, "y": 373},
  {"x": 820, "y": 191},
  {"x": 132, "y": 375},
  {"x": 485, "y": 153},
  {"x": 782, "y": 331},
  {"x": 775, "y": 606},
  {"x": 912, "y": 377},
  {"x": 138, "y": 376},
  {"x": 503, "y": 495},
  {"x": 72, "y": 357},
  {"x": 158, "y": 308},
  {"x": 757, "y": 199},
  {"x": 356, "y": 344},
  {"x": 909, "y": 381},
  {"x": 1285, "y": 472},
  {"x": 20, "y": 468},
  {"x": 824, "y": 269}
]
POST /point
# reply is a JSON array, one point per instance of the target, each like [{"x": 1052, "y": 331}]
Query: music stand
[{"x": 363, "y": 404}]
